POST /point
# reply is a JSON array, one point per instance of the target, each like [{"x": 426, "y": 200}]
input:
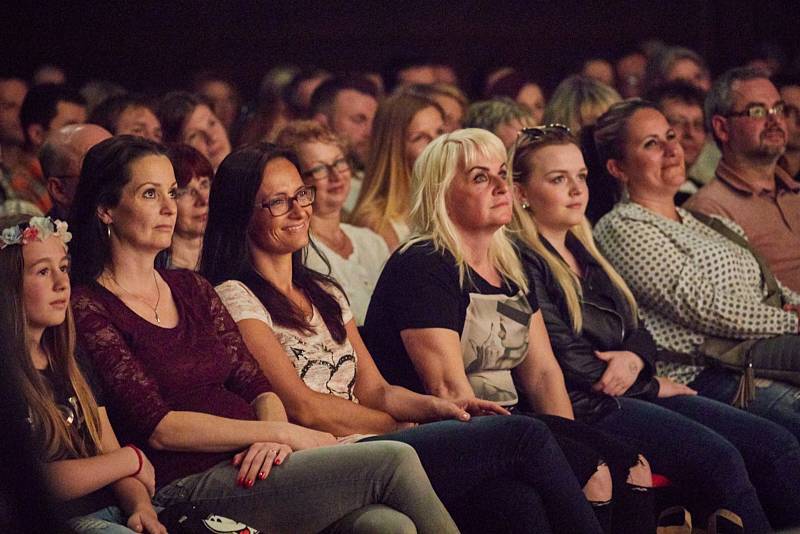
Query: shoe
[
  {"x": 725, "y": 522},
  {"x": 675, "y": 520}
]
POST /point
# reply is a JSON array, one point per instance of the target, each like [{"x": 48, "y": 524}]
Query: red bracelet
[{"x": 138, "y": 455}]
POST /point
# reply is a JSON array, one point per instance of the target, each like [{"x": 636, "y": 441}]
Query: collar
[{"x": 727, "y": 175}]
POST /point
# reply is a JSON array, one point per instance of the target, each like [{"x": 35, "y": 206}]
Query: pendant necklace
[{"x": 158, "y": 295}]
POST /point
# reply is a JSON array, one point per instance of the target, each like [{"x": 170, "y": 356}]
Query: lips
[
  {"x": 59, "y": 303},
  {"x": 296, "y": 227}
]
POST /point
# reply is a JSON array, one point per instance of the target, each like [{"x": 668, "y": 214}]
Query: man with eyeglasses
[
  {"x": 61, "y": 157},
  {"x": 747, "y": 117}
]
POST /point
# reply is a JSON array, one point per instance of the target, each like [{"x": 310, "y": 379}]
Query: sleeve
[
  {"x": 640, "y": 342},
  {"x": 246, "y": 377},
  {"x": 668, "y": 279},
  {"x": 132, "y": 394},
  {"x": 574, "y": 353},
  {"x": 347, "y": 314},
  {"x": 705, "y": 203},
  {"x": 424, "y": 291},
  {"x": 241, "y": 303}
]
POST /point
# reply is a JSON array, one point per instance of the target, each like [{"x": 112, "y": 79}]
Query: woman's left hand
[
  {"x": 620, "y": 374},
  {"x": 257, "y": 460},
  {"x": 146, "y": 520},
  {"x": 463, "y": 409},
  {"x": 667, "y": 388}
]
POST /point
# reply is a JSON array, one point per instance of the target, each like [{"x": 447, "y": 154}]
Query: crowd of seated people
[{"x": 367, "y": 303}]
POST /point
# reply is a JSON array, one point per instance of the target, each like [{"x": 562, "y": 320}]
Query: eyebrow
[
  {"x": 175, "y": 183},
  {"x": 47, "y": 259},
  {"x": 503, "y": 167},
  {"x": 565, "y": 171}
]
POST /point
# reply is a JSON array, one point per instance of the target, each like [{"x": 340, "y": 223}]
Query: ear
[
  {"x": 56, "y": 191},
  {"x": 719, "y": 125},
  {"x": 105, "y": 215},
  {"x": 520, "y": 194},
  {"x": 322, "y": 119},
  {"x": 36, "y": 134},
  {"x": 615, "y": 169}
]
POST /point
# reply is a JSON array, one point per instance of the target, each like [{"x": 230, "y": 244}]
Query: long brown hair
[{"x": 50, "y": 431}]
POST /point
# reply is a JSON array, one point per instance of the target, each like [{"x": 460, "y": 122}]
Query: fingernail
[
  {"x": 278, "y": 461},
  {"x": 250, "y": 483},
  {"x": 262, "y": 475}
]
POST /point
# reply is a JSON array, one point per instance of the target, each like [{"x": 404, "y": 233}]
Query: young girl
[{"x": 75, "y": 442}]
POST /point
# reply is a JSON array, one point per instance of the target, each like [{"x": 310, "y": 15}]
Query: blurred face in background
[
  {"x": 427, "y": 125},
  {"x": 687, "y": 121}
]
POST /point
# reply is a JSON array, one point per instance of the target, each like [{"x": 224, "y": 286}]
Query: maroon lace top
[{"x": 201, "y": 365}]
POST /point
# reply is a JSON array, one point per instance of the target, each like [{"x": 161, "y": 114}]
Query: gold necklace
[{"x": 158, "y": 295}]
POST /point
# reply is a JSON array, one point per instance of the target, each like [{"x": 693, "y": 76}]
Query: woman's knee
[
  {"x": 374, "y": 519},
  {"x": 599, "y": 487}
]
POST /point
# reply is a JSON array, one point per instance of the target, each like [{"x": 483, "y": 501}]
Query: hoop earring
[{"x": 108, "y": 231}]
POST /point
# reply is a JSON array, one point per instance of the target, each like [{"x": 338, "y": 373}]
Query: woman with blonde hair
[
  {"x": 708, "y": 449},
  {"x": 578, "y": 101},
  {"x": 452, "y": 316},
  {"x": 404, "y": 125},
  {"x": 82, "y": 460}
]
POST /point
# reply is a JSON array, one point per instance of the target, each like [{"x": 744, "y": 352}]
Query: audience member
[
  {"x": 12, "y": 138},
  {"x": 61, "y": 157},
  {"x": 347, "y": 106},
  {"x": 182, "y": 386},
  {"x": 517, "y": 87},
  {"x": 453, "y": 101},
  {"x": 81, "y": 458},
  {"x": 630, "y": 69},
  {"x": 682, "y": 105},
  {"x": 95, "y": 92},
  {"x": 608, "y": 356},
  {"x": 298, "y": 94},
  {"x": 700, "y": 289},
  {"x": 351, "y": 255},
  {"x": 409, "y": 70},
  {"x": 578, "y": 101},
  {"x": 789, "y": 87},
  {"x": 188, "y": 119},
  {"x": 745, "y": 112},
  {"x": 222, "y": 96},
  {"x": 49, "y": 74},
  {"x": 404, "y": 125},
  {"x": 128, "y": 115},
  {"x": 599, "y": 69},
  {"x": 46, "y": 108},
  {"x": 449, "y": 316},
  {"x": 502, "y": 116},
  {"x": 193, "y": 174},
  {"x": 677, "y": 63},
  {"x": 302, "y": 332}
]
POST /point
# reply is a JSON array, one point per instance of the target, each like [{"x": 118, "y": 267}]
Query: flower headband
[{"x": 37, "y": 229}]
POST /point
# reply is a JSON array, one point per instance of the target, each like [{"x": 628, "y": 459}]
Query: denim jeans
[
  {"x": 708, "y": 468},
  {"x": 314, "y": 489},
  {"x": 109, "y": 520},
  {"x": 461, "y": 458}
]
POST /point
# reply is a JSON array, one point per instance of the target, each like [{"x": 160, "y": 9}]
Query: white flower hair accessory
[{"x": 36, "y": 229}]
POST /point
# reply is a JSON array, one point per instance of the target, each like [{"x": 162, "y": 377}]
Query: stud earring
[{"x": 525, "y": 205}]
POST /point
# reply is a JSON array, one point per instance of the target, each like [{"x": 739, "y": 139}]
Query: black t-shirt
[{"x": 419, "y": 288}]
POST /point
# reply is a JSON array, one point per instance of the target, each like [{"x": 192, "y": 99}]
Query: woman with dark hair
[
  {"x": 81, "y": 459},
  {"x": 184, "y": 388},
  {"x": 194, "y": 173},
  {"x": 608, "y": 356},
  {"x": 298, "y": 325},
  {"x": 186, "y": 118}
]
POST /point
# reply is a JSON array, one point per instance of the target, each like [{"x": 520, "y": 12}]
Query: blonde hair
[
  {"x": 578, "y": 101},
  {"x": 49, "y": 428},
  {"x": 524, "y": 226},
  {"x": 434, "y": 172},
  {"x": 297, "y": 133},
  {"x": 386, "y": 190}
]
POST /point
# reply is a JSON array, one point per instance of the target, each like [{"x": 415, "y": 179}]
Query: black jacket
[{"x": 608, "y": 324}]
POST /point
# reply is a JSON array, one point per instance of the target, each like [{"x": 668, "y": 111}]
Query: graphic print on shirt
[
  {"x": 494, "y": 341},
  {"x": 325, "y": 368}
]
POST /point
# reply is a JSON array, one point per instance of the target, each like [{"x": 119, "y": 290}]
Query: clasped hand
[{"x": 620, "y": 374}]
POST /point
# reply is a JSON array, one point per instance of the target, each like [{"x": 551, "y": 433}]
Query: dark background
[{"x": 153, "y": 46}]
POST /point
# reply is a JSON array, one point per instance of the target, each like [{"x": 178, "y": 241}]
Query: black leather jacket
[{"x": 608, "y": 324}]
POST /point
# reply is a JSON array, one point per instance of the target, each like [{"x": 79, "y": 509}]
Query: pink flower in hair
[{"x": 29, "y": 234}]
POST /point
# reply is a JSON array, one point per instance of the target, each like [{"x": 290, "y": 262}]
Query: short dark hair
[
  {"x": 679, "y": 90},
  {"x": 107, "y": 114},
  {"x": 188, "y": 163},
  {"x": 291, "y": 95},
  {"x": 719, "y": 100},
  {"x": 41, "y": 103},
  {"x": 173, "y": 110},
  {"x": 106, "y": 170},
  {"x": 226, "y": 254},
  {"x": 325, "y": 95}
]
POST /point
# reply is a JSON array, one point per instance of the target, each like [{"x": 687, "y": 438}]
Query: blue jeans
[
  {"x": 462, "y": 459},
  {"x": 109, "y": 520},
  {"x": 709, "y": 469},
  {"x": 776, "y": 401}
]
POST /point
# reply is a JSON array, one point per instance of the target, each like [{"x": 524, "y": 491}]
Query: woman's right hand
[
  {"x": 299, "y": 438},
  {"x": 667, "y": 388}
]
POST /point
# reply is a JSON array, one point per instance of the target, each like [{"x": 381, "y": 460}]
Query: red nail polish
[
  {"x": 250, "y": 483},
  {"x": 262, "y": 475},
  {"x": 278, "y": 461}
]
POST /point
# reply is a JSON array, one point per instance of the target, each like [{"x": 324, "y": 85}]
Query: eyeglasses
[
  {"x": 281, "y": 204},
  {"x": 323, "y": 170},
  {"x": 536, "y": 133},
  {"x": 203, "y": 186},
  {"x": 760, "y": 111},
  {"x": 683, "y": 124}
]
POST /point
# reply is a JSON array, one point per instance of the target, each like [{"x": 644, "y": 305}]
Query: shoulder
[
  {"x": 184, "y": 280},
  {"x": 364, "y": 238},
  {"x": 712, "y": 198},
  {"x": 88, "y": 298},
  {"x": 241, "y": 302}
]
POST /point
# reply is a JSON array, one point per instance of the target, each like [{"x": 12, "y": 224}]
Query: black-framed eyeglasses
[
  {"x": 281, "y": 204},
  {"x": 323, "y": 170},
  {"x": 760, "y": 111}
]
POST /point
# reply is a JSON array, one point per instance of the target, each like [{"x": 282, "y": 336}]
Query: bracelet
[{"x": 138, "y": 455}]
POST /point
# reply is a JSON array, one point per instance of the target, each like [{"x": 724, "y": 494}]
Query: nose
[
  {"x": 61, "y": 280},
  {"x": 202, "y": 197}
]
